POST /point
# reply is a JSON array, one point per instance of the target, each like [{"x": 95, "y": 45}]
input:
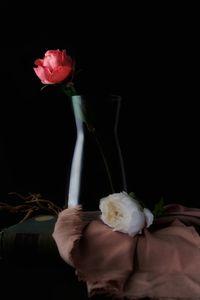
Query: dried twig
[{"x": 32, "y": 203}]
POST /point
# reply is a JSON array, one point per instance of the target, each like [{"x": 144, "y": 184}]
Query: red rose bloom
[{"x": 55, "y": 67}]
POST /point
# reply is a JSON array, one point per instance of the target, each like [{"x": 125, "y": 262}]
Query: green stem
[{"x": 69, "y": 90}]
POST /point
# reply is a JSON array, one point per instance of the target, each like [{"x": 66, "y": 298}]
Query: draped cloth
[{"x": 161, "y": 263}]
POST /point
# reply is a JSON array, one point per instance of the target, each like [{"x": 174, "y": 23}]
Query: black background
[
  {"x": 150, "y": 59},
  {"x": 153, "y": 69}
]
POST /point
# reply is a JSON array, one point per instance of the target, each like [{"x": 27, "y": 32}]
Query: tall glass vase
[
  {"x": 73, "y": 194},
  {"x": 97, "y": 167}
]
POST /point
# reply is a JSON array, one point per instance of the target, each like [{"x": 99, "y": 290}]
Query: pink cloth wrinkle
[{"x": 163, "y": 263}]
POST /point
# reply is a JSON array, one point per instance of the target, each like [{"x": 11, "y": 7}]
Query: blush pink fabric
[{"x": 162, "y": 263}]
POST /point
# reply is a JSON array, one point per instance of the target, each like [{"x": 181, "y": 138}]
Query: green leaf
[
  {"x": 132, "y": 195},
  {"x": 159, "y": 208}
]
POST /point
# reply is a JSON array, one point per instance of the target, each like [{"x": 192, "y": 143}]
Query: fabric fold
[
  {"x": 162, "y": 263},
  {"x": 104, "y": 258}
]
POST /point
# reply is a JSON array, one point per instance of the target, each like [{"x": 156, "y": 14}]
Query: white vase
[{"x": 97, "y": 166}]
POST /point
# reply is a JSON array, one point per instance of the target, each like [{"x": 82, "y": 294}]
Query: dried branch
[{"x": 32, "y": 203}]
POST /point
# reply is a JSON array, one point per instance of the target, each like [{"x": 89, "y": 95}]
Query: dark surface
[{"x": 36, "y": 280}]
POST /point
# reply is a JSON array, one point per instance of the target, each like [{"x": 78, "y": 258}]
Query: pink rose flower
[{"x": 55, "y": 67}]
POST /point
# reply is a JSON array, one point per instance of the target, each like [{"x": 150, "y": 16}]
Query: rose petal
[
  {"x": 52, "y": 52},
  {"x": 52, "y": 61},
  {"x": 137, "y": 224},
  {"x": 59, "y": 74},
  {"x": 43, "y": 74},
  {"x": 66, "y": 59},
  {"x": 149, "y": 217},
  {"x": 38, "y": 62}
]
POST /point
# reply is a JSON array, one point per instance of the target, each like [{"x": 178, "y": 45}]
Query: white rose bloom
[{"x": 123, "y": 213}]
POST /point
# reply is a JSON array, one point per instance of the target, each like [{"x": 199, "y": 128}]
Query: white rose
[{"x": 123, "y": 213}]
